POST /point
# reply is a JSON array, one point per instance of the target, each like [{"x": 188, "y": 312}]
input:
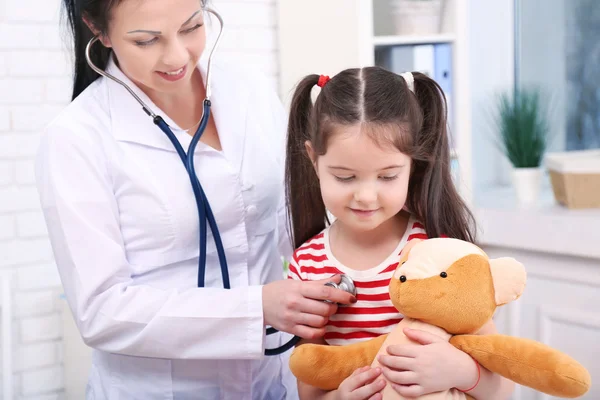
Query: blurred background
[{"x": 522, "y": 79}]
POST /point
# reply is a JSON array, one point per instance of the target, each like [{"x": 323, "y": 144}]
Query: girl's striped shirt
[{"x": 373, "y": 314}]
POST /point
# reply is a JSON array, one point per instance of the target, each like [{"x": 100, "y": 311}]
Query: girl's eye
[
  {"x": 389, "y": 178},
  {"x": 146, "y": 42},
  {"x": 344, "y": 178},
  {"x": 193, "y": 28}
]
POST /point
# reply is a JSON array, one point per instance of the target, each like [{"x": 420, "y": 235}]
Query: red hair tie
[{"x": 323, "y": 79}]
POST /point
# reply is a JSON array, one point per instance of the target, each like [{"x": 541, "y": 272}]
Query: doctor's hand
[{"x": 298, "y": 307}]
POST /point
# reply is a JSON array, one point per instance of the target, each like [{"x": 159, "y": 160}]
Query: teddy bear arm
[
  {"x": 326, "y": 367},
  {"x": 527, "y": 362}
]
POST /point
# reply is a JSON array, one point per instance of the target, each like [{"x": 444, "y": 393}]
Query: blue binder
[
  {"x": 443, "y": 76},
  {"x": 443, "y": 67}
]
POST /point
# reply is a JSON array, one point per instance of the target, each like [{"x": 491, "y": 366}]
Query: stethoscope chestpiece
[{"x": 346, "y": 284}]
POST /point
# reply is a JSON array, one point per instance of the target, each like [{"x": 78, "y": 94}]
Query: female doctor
[{"x": 123, "y": 223}]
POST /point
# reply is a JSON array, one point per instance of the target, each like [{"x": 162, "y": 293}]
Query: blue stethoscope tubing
[{"x": 204, "y": 210}]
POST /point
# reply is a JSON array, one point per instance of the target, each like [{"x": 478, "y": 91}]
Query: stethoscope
[{"x": 204, "y": 211}]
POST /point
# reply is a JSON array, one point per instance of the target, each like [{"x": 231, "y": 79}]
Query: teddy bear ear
[
  {"x": 509, "y": 279},
  {"x": 407, "y": 247}
]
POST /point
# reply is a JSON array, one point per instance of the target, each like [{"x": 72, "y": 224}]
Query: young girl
[{"x": 373, "y": 151}]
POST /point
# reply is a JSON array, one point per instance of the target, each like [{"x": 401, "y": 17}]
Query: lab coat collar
[{"x": 131, "y": 124}]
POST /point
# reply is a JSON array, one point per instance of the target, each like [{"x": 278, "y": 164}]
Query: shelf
[
  {"x": 545, "y": 227},
  {"x": 381, "y": 41}
]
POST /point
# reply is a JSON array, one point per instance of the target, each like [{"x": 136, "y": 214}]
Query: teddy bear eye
[
  {"x": 444, "y": 275},
  {"x": 402, "y": 278}
]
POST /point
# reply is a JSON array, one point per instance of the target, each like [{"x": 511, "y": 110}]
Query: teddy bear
[{"x": 451, "y": 288}]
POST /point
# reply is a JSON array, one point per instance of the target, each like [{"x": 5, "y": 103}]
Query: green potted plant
[{"x": 523, "y": 135}]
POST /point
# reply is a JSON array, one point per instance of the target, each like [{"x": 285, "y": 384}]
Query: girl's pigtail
[
  {"x": 435, "y": 199},
  {"x": 307, "y": 214}
]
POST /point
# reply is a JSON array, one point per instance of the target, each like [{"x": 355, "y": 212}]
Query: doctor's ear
[
  {"x": 311, "y": 154},
  {"x": 103, "y": 38}
]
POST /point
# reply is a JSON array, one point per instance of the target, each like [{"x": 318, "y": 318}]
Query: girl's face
[
  {"x": 363, "y": 184},
  {"x": 156, "y": 42}
]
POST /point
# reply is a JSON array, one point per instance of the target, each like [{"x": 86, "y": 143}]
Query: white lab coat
[{"x": 123, "y": 224}]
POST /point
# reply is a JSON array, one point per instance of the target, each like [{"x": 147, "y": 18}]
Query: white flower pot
[
  {"x": 527, "y": 182},
  {"x": 412, "y": 17}
]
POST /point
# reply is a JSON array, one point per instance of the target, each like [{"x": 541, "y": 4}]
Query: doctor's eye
[
  {"x": 143, "y": 43},
  {"x": 193, "y": 28}
]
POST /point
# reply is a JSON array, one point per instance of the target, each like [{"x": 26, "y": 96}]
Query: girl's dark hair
[
  {"x": 97, "y": 13},
  {"x": 415, "y": 123}
]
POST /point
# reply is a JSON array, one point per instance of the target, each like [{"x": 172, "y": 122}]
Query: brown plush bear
[{"x": 451, "y": 288}]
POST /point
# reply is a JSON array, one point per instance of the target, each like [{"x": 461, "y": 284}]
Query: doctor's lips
[{"x": 173, "y": 75}]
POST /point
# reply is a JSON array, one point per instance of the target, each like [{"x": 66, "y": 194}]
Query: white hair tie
[{"x": 410, "y": 80}]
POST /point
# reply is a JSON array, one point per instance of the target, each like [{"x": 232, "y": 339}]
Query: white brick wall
[{"x": 34, "y": 86}]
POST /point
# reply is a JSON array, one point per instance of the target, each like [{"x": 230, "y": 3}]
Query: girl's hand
[
  {"x": 361, "y": 385},
  {"x": 431, "y": 366}
]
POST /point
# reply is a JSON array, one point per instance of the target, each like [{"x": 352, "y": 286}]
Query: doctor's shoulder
[
  {"x": 261, "y": 85},
  {"x": 258, "y": 91},
  {"x": 85, "y": 120},
  {"x": 263, "y": 97}
]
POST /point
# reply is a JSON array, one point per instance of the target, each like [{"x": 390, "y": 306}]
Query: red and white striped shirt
[{"x": 373, "y": 314}]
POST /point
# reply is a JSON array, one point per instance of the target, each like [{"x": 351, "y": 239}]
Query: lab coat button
[{"x": 251, "y": 211}]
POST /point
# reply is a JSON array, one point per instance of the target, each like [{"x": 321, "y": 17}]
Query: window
[{"x": 557, "y": 49}]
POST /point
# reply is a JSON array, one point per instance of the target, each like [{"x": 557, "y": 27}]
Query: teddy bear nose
[{"x": 402, "y": 278}]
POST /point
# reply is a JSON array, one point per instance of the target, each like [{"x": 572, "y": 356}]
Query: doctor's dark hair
[
  {"x": 390, "y": 113},
  {"x": 97, "y": 13}
]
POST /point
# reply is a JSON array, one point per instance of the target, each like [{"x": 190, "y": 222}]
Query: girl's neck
[
  {"x": 362, "y": 250},
  {"x": 391, "y": 230}
]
